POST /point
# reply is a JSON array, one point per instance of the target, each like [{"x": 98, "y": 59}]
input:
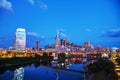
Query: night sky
[{"x": 97, "y": 21}]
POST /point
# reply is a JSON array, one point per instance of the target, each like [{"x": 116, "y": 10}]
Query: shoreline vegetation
[
  {"x": 104, "y": 68},
  {"x": 101, "y": 66},
  {"x": 17, "y": 62},
  {"x": 44, "y": 60}
]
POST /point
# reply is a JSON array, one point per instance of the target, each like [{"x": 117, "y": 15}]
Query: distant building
[
  {"x": 65, "y": 42},
  {"x": 20, "y": 39},
  {"x": 57, "y": 41},
  {"x": 62, "y": 42},
  {"x": 86, "y": 44},
  {"x": 99, "y": 49},
  {"x": 88, "y": 47},
  {"x": 37, "y": 45}
]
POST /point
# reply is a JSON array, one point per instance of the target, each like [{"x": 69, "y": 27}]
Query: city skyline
[{"x": 80, "y": 21}]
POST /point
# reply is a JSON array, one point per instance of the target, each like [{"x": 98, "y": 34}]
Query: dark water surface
[{"x": 40, "y": 73}]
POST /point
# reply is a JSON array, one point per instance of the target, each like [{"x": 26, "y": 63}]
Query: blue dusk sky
[{"x": 97, "y": 21}]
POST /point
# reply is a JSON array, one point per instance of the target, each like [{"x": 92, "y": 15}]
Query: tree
[
  {"x": 46, "y": 58},
  {"x": 118, "y": 60},
  {"x": 61, "y": 57},
  {"x": 104, "y": 65}
]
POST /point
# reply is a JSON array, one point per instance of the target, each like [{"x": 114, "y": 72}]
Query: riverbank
[
  {"x": 16, "y": 62},
  {"x": 7, "y": 62}
]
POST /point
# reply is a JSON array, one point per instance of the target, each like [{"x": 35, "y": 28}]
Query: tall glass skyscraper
[{"x": 20, "y": 39}]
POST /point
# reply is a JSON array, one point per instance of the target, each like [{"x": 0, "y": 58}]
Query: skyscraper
[
  {"x": 57, "y": 40},
  {"x": 20, "y": 39},
  {"x": 37, "y": 45}
]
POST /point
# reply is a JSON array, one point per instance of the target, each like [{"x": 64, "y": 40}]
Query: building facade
[
  {"x": 37, "y": 45},
  {"x": 20, "y": 39},
  {"x": 57, "y": 40}
]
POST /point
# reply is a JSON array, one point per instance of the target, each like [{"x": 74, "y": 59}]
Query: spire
[
  {"x": 57, "y": 41},
  {"x": 57, "y": 34}
]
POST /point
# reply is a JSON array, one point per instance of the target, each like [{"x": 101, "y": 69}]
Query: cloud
[
  {"x": 35, "y": 34},
  {"x": 39, "y": 4},
  {"x": 88, "y": 30},
  {"x": 7, "y": 5},
  {"x": 43, "y": 5},
  {"x": 112, "y": 33},
  {"x": 32, "y": 2}
]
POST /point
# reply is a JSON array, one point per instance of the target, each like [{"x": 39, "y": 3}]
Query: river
[{"x": 42, "y": 73}]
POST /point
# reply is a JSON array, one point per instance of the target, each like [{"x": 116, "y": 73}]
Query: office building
[
  {"x": 20, "y": 39},
  {"x": 57, "y": 40},
  {"x": 37, "y": 45}
]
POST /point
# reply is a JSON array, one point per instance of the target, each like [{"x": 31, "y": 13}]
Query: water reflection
[
  {"x": 7, "y": 75},
  {"x": 33, "y": 72},
  {"x": 18, "y": 74}
]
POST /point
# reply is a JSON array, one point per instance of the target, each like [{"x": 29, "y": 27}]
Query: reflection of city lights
[
  {"x": 43, "y": 49},
  {"x": 66, "y": 60},
  {"x": 104, "y": 55},
  {"x": 66, "y": 53},
  {"x": 62, "y": 64},
  {"x": 19, "y": 74}
]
